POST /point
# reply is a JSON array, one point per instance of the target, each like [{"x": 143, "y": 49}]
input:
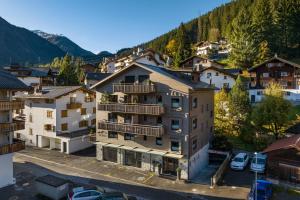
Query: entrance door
[
  {"x": 170, "y": 165},
  {"x": 252, "y": 98},
  {"x": 110, "y": 154},
  {"x": 133, "y": 158},
  {"x": 64, "y": 147}
]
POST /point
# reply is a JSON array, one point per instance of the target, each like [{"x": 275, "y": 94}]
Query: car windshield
[
  {"x": 238, "y": 159},
  {"x": 259, "y": 161}
]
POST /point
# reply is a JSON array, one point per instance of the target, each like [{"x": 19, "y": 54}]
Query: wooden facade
[
  {"x": 17, "y": 145},
  {"x": 142, "y": 109},
  {"x": 128, "y": 88}
]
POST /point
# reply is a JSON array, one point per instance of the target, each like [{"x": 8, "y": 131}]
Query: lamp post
[{"x": 255, "y": 154}]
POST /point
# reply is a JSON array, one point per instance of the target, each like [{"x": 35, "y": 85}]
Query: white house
[
  {"x": 220, "y": 78},
  {"x": 204, "y": 47},
  {"x": 59, "y": 118}
]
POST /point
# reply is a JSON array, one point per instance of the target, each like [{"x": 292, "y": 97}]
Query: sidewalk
[{"x": 128, "y": 175}]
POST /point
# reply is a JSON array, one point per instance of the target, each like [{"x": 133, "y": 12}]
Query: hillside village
[{"x": 219, "y": 114}]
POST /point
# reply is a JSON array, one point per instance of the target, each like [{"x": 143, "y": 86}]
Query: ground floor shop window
[{"x": 133, "y": 158}]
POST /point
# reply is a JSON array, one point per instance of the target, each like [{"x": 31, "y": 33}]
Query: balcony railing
[
  {"x": 11, "y": 105},
  {"x": 155, "y": 131},
  {"x": 143, "y": 109},
  {"x": 12, "y": 126},
  {"x": 132, "y": 88},
  {"x": 17, "y": 145},
  {"x": 73, "y": 105}
]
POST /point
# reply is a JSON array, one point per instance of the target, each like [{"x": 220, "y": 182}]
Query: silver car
[{"x": 258, "y": 163}]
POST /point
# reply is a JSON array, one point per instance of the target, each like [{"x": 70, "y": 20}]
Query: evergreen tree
[
  {"x": 68, "y": 71},
  {"x": 221, "y": 121},
  {"x": 264, "y": 52},
  {"x": 183, "y": 45},
  {"x": 239, "y": 105},
  {"x": 242, "y": 40}
]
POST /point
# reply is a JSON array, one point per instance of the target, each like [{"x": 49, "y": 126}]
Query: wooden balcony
[
  {"x": 14, "y": 126},
  {"x": 16, "y": 146},
  {"x": 11, "y": 105},
  {"x": 134, "y": 88},
  {"x": 142, "y": 109},
  {"x": 155, "y": 131},
  {"x": 74, "y": 105}
]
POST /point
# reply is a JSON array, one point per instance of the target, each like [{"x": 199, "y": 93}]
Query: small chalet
[
  {"x": 284, "y": 160},
  {"x": 197, "y": 63},
  {"x": 203, "y": 48}
]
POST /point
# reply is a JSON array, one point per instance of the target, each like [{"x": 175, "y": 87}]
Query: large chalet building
[
  {"x": 155, "y": 119},
  {"x": 279, "y": 70},
  {"x": 9, "y": 122}
]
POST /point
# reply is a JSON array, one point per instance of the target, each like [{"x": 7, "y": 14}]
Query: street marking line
[{"x": 147, "y": 179}]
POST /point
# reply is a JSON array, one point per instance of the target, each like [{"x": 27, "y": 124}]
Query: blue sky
[{"x": 98, "y": 25}]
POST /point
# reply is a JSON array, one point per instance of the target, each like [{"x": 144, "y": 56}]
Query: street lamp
[{"x": 255, "y": 154}]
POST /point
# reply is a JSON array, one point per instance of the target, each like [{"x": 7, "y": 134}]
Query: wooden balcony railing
[
  {"x": 155, "y": 131},
  {"x": 13, "y": 126},
  {"x": 11, "y": 105},
  {"x": 143, "y": 109},
  {"x": 134, "y": 88},
  {"x": 74, "y": 105},
  {"x": 17, "y": 145}
]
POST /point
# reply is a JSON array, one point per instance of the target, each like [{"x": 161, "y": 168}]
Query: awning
[
  {"x": 113, "y": 145},
  {"x": 126, "y": 147},
  {"x": 101, "y": 143},
  {"x": 173, "y": 155},
  {"x": 160, "y": 153},
  {"x": 141, "y": 150}
]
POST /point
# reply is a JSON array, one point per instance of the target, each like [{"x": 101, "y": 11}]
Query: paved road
[{"x": 27, "y": 169}]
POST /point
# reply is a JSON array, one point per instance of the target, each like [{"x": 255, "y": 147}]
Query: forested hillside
[{"x": 256, "y": 29}]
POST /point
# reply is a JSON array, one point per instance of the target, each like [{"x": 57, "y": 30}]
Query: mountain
[
  {"x": 19, "y": 45},
  {"x": 96, "y": 59},
  {"x": 64, "y": 44}
]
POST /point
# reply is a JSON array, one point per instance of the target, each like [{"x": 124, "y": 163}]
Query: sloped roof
[
  {"x": 286, "y": 143},
  {"x": 272, "y": 59},
  {"x": 163, "y": 71},
  {"x": 9, "y": 81},
  {"x": 227, "y": 72},
  {"x": 52, "y": 92},
  {"x": 96, "y": 76}
]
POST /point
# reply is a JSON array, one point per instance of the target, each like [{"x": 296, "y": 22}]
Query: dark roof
[
  {"x": 51, "y": 180},
  {"x": 233, "y": 71},
  {"x": 272, "y": 59},
  {"x": 75, "y": 134},
  {"x": 286, "y": 143},
  {"x": 9, "y": 81},
  {"x": 96, "y": 76},
  {"x": 192, "y": 57}
]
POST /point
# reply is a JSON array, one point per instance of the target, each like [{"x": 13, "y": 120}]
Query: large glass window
[
  {"x": 175, "y": 124},
  {"x": 174, "y": 146},
  {"x": 195, "y": 123},
  {"x": 158, "y": 141},
  {"x": 175, "y": 102},
  {"x": 128, "y": 136}
]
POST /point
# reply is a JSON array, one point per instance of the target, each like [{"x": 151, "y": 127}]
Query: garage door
[{"x": 110, "y": 154}]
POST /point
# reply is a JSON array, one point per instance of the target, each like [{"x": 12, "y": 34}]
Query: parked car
[
  {"x": 115, "y": 196},
  {"x": 258, "y": 163},
  {"x": 82, "y": 194},
  {"x": 263, "y": 191},
  {"x": 239, "y": 162}
]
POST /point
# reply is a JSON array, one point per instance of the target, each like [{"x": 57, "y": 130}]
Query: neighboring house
[
  {"x": 33, "y": 76},
  {"x": 88, "y": 68},
  {"x": 59, "y": 118},
  {"x": 8, "y": 144},
  {"x": 198, "y": 63},
  {"x": 155, "y": 119},
  {"x": 284, "y": 160},
  {"x": 219, "y": 78},
  {"x": 93, "y": 78},
  {"x": 279, "y": 70},
  {"x": 204, "y": 48}
]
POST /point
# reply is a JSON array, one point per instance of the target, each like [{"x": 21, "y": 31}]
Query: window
[
  {"x": 88, "y": 99},
  {"x": 145, "y": 98},
  {"x": 259, "y": 93},
  {"x": 83, "y": 111},
  {"x": 288, "y": 93},
  {"x": 83, "y": 123},
  {"x": 145, "y": 137},
  {"x": 195, "y": 123},
  {"x": 93, "y": 122},
  {"x": 18, "y": 135},
  {"x": 143, "y": 78},
  {"x": 265, "y": 75},
  {"x": 174, "y": 146},
  {"x": 225, "y": 77},
  {"x": 175, "y": 124},
  {"x": 284, "y": 74},
  {"x": 64, "y": 113},
  {"x": 158, "y": 141},
  {"x": 94, "y": 110},
  {"x": 49, "y": 114},
  {"x": 208, "y": 75},
  {"x": 128, "y": 136},
  {"x": 194, "y": 144},
  {"x": 225, "y": 85},
  {"x": 145, "y": 118},
  {"x": 72, "y": 99},
  {"x": 30, "y": 131},
  {"x": 175, "y": 103},
  {"x": 159, "y": 120},
  {"x": 129, "y": 79},
  {"x": 48, "y": 127},
  {"x": 217, "y": 73},
  {"x": 159, "y": 99},
  {"x": 112, "y": 134},
  {"x": 30, "y": 105},
  {"x": 64, "y": 127},
  {"x": 195, "y": 102},
  {"x": 49, "y": 101},
  {"x": 30, "y": 117}
]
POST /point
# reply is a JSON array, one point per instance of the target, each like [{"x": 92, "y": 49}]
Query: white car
[
  {"x": 239, "y": 162},
  {"x": 81, "y": 194},
  {"x": 258, "y": 163}
]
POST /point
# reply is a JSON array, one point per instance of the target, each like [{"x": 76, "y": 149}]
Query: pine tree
[
  {"x": 264, "y": 52},
  {"x": 183, "y": 48},
  {"x": 242, "y": 40}
]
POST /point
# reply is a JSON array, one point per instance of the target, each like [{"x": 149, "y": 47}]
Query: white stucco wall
[
  {"x": 219, "y": 80},
  {"x": 198, "y": 161},
  {"x": 6, "y": 170},
  {"x": 292, "y": 95}
]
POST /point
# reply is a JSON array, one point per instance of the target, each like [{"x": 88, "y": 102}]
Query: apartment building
[
  {"x": 155, "y": 119},
  {"x": 8, "y": 144},
  {"x": 204, "y": 48},
  {"x": 59, "y": 118},
  {"x": 279, "y": 70}
]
